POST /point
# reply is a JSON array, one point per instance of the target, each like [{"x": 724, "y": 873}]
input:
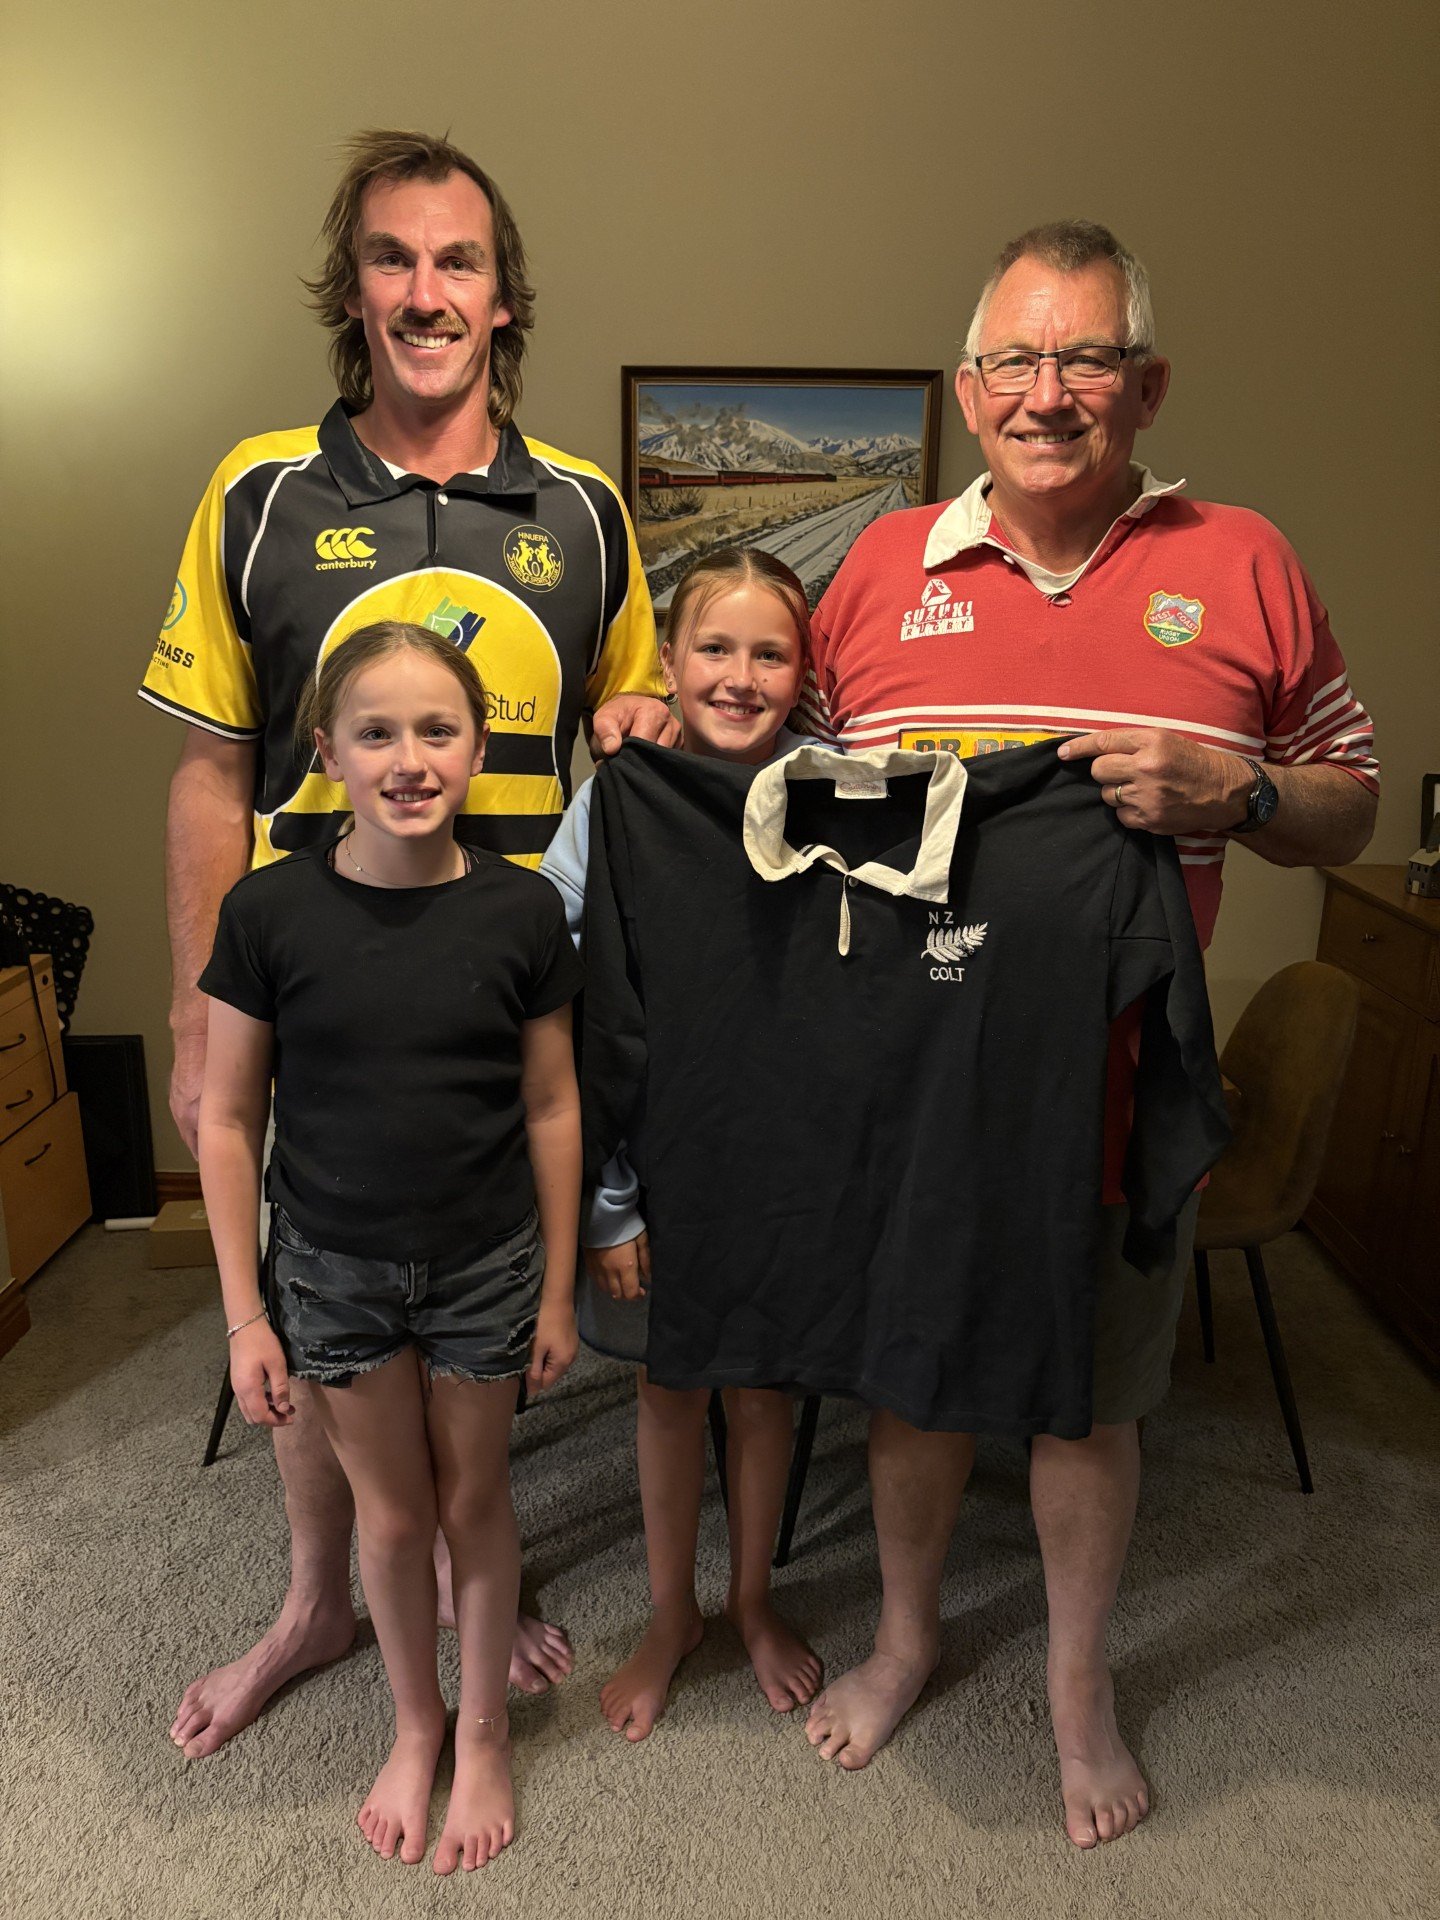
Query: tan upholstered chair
[{"x": 1286, "y": 1057}]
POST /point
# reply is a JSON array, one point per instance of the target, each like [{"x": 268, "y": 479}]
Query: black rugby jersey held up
[{"x": 862, "y": 1008}]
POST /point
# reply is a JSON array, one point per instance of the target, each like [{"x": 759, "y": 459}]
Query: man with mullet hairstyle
[
  {"x": 416, "y": 499},
  {"x": 1181, "y": 646}
]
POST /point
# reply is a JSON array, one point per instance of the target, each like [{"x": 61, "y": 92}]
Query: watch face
[{"x": 1264, "y": 801}]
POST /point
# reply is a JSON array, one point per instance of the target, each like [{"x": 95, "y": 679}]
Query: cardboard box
[{"x": 179, "y": 1236}]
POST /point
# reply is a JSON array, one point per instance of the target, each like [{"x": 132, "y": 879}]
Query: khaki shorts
[{"x": 1135, "y": 1321}]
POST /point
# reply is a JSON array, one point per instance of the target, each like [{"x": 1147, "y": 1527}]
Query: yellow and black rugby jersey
[{"x": 303, "y": 537}]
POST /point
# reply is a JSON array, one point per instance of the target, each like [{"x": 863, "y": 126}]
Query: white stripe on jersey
[
  {"x": 196, "y": 720},
  {"x": 1328, "y": 721},
  {"x": 293, "y": 466},
  {"x": 1320, "y": 695},
  {"x": 570, "y": 480},
  {"x": 1355, "y": 751}
]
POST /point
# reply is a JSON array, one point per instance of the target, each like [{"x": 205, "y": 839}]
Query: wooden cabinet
[
  {"x": 44, "y": 1192},
  {"x": 1377, "y": 1203}
]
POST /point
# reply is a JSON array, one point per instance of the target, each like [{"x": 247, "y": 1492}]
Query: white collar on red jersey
[
  {"x": 864, "y": 775},
  {"x": 965, "y": 523}
]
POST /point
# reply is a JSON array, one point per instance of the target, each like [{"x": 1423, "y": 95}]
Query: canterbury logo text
[
  {"x": 344, "y": 547},
  {"x": 948, "y": 946}
]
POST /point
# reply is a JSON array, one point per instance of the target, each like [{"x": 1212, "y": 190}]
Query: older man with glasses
[{"x": 1181, "y": 649}]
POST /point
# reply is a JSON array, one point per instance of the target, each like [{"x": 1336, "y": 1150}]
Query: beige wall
[{"x": 744, "y": 183}]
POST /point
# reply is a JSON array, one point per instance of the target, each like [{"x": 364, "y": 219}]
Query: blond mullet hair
[{"x": 386, "y": 154}]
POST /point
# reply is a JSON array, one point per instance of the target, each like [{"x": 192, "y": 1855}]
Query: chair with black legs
[
  {"x": 799, "y": 1465},
  {"x": 1287, "y": 1059}
]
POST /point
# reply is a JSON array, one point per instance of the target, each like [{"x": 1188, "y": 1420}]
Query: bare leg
[
  {"x": 1083, "y": 1494},
  {"x": 670, "y": 1447},
  {"x": 317, "y": 1620},
  {"x": 916, "y": 1484},
  {"x": 377, "y": 1427},
  {"x": 470, "y": 1441},
  {"x": 542, "y": 1655},
  {"x": 761, "y": 1430}
]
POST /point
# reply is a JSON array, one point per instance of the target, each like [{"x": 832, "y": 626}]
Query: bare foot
[
  {"x": 229, "y": 1698},
  {"x": 397, "y": 1808},
  {"x": 788, "y": 1670},
  {"x": 1104, "y": 1791},
  {"x": 856, "y": 1714},
  {"x": 634, "y": 1696},
  {"x": 541, "y": 1656},
  {"x": 480, "y": 1819}
]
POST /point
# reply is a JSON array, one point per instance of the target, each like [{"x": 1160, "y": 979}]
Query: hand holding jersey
[{"x": 1160, "y": 781}]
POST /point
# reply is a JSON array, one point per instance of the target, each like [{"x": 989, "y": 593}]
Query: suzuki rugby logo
[{"x": 939, "y": 612}]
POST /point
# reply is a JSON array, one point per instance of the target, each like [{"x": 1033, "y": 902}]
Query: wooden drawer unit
[
  {"x": 29, "y": 1088},
  {"x": 23, "y": 1031},
  {"x": 1377, "y": 946},
  {"x": 43, "y": 1187},
  {"x": 1377, "y": 1202},
  {"x": 44, "y": 1190}
]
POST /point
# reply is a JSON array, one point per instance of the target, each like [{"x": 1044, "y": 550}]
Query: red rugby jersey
[{"x": 1188, "y": 615}]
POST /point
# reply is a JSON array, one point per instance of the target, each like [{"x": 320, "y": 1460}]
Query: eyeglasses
[{"x": 1013, "y": 370}]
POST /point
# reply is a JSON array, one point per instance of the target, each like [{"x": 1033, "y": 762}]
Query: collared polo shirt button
[
  {"x": 442, "y": 499},
  {"x": 849, "y": 879}
]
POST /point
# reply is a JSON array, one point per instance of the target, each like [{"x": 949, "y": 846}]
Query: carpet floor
[{"x": 1274, "y": 1656}]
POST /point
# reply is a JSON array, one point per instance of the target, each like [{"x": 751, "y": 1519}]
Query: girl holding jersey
[{"x": 734, "y": 659}]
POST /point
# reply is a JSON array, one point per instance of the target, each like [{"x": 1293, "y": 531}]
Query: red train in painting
[{"x": 751, "y": 477}]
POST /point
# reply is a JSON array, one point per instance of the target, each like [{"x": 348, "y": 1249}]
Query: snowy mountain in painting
[{"x": 728, "y": 440}]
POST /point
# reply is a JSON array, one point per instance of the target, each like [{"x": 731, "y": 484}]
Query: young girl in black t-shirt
[{"x": 411, "y": 998}]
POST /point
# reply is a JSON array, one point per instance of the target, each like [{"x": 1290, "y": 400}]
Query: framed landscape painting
[{"x": 792, "y": 459}]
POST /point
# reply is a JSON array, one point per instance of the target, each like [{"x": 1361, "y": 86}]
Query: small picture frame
[{"x": 796, "y": 460}]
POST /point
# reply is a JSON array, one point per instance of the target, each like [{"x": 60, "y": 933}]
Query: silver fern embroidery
[{"x": 949, "y": 944}]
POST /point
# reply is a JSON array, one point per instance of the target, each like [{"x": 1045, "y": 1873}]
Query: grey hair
[{"x": 1069, "y": 245}]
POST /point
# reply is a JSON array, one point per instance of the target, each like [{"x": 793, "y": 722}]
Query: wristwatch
[{"x": 1262, "y": 802}]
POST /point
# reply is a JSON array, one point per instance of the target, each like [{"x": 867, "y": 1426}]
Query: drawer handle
[
  {"x": 41, "y": 1155},
  {"x": 23, "y": 1101},
  {"x": 10, "y": 1045},
  {"x": 1369, "y": 939}
]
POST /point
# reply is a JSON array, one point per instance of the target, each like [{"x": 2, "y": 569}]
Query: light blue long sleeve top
[{"x": 614, "y": 1211}]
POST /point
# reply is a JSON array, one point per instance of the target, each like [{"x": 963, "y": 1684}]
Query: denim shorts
[{"x": 471, "y": 1314}]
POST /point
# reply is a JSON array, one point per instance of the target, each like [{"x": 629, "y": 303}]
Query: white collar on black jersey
[
  {"x": 773, "y": 858},
  {"x": 965, "y": 523}
]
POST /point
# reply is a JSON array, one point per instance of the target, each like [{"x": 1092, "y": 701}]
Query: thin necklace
[{"x": 468, "y": 863}]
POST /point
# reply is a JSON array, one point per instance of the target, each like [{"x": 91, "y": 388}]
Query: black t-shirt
[
  {"x": 399, "y": 1127},
  {"x": 868, "y": 1044}
]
